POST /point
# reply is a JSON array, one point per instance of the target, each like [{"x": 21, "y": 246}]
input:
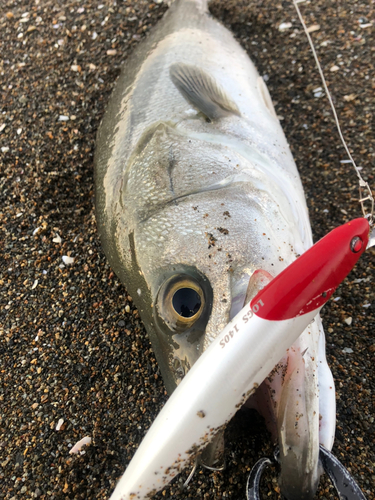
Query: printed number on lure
[{"x": 245, "y": 318}]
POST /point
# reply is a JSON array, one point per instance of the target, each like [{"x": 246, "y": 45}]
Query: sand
[{"x": 72, "y": 345}]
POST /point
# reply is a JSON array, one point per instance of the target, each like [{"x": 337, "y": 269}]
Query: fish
[{"x": 199, "y": 204}]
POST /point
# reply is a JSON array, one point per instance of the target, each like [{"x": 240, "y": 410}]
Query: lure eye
[
  {"x": 356, "y": 244},
  {"x": 181, "y": 301}
]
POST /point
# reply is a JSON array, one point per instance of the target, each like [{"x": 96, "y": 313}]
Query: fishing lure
[{"x": 267, "y": 326}]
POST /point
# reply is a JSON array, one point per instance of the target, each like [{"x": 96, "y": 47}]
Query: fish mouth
[
  {"x": 288, "y": 407},
  {"x": 299, "y": 476},
  {"x": 239, "y": 295},
  {"x": 246, "y": 288},
  {"x": 297, "y": 418}
]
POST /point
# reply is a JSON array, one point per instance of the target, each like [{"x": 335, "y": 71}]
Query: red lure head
[{"x": 310, "y": 281}]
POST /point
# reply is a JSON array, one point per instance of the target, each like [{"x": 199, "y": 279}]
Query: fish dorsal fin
[
  {"x": 202, "y": 91},
  {"x": 265, "y": 95}
]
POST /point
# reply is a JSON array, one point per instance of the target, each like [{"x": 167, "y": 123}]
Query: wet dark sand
[{"x": 69, "y": 348}]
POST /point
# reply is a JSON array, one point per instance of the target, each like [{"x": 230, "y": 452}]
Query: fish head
[
  {"x": 185, "y": 291},
  {"x": 195, "y": 219}
]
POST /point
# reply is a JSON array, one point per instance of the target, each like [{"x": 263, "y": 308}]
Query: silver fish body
[{"x": 196, "y": 189}]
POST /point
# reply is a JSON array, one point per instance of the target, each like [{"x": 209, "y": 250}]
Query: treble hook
[
  {"x": 253, "y": 481},
  {"x": 345, "y": 485}
]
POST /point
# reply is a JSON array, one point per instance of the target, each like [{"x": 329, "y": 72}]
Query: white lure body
[{"x": 238, "y": 360}]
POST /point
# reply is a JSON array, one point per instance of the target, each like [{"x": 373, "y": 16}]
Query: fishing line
[{"x": 365, "y": 193}]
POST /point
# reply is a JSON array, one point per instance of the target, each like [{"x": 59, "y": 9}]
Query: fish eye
[
  {"x": 181, "y": 301},
  {"x": 186, "y": 302}
]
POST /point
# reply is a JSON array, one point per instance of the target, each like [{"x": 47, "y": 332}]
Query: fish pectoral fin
[{"x": 202, "y": 91}]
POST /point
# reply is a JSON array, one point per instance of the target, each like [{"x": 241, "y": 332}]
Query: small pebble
[
  {"x": 67, "y": 260},
  {"x": 313, "y": 27},
  {"x": 285, "y": 26},
  {"x": 57, "y": 239},
  {"x": 59, "y": 424},
  {"x": 80, "y": 444}
]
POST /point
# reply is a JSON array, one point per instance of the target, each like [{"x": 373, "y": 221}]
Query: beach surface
[{"x": 74, "y": 355}]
